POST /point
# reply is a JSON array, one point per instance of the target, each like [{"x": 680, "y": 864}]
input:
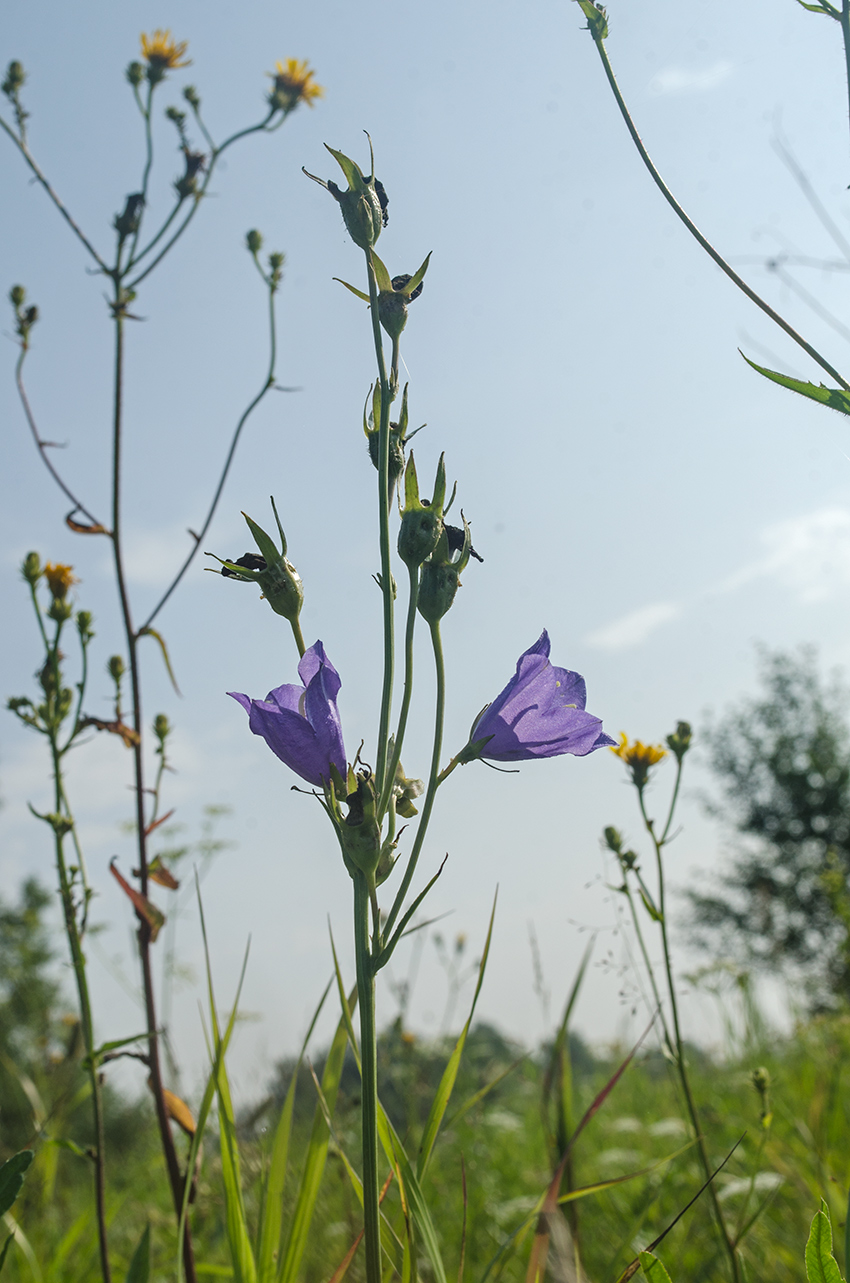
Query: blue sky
[{"x": 632, "y": 485}]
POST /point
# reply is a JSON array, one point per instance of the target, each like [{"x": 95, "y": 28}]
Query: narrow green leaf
[
  {"x": 268, "y": 1243},
  {"x": 824, "y": 7},
  {"x": 5, "y": 1249},
  {"x": 158, "y": 637},
  {"x": 653, "y": 1269},
  {"x": 106, "y": 1047},
  {"x": 12, "y": 1178},
  {"x": 835, "y": 398},
  {"x": 583, "y": 1191},
  {"x": 412, "y": 1192},
  {"x": 140, "y": 1265},
  {"x": 484, "y": 1091},
  {"x": 71, "y": 1145},
  {"x": 317, "y": 1152},
  {"x": 447, "y": 1082},
  {"x": 597, "y": 21},
  {"x": 821, "y": 1265},
  {"x": 560, "y": 1065}
]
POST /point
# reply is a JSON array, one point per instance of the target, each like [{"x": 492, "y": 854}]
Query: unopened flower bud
[
  {"x": 31, "y": 568},
  {"x": 254, "y": 241},
  {"x": 440, "y": 577},
  {"x": 116, "y": 668},
  {"x": 14, "y": 80},
  {"x": 161, "y": 727},
  {"x": 192, "y": 97},
  {"x": 276, "y": 261},
  {"x": 421, "y": 521},
  {"x": 176, "y": 116},
  {"x": 135, "y": 74},
  {"x": 17, "y": 295},
  {"x": 85, "y": 622},
  {"x": 360, "y": 833},
  {"x": 613, "y": 839},
  {"x": 363, "y": 204},
  {"x": 60, "y": 610},
  {"x": 127, "y": 222},
  {"x": 275, "y": 574},
  {"x": 680, "y": 741}
]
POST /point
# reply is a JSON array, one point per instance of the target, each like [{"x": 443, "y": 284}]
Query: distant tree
[{"x": 782, "y": 761}]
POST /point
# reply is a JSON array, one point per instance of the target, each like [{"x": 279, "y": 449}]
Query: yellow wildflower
[
  {"x": 293, "y": 83},
  {"x": 639, "y": 757},
  {"x": 59, "y": 579},
  {"x": 162, "y": 54}
]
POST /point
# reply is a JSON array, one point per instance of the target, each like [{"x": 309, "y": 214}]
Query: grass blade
[
  {"x": 317, "y": 1152},
  {"x": 268, "y": 1239},
  {"x": 140, "y": 1265},
  {"x": 447, "y": 1082}
]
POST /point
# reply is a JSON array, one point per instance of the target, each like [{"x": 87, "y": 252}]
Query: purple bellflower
[
  {"x": 540, "y": 713},
  {"x": 301, "y": 724}
]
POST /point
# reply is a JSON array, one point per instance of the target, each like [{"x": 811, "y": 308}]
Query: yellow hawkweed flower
[
  {"x": 59, "y": 579},
  {"x": 293, "y": 83},
  {"x": 162, "y": 54},
  {"x": 639, "y": 757}
]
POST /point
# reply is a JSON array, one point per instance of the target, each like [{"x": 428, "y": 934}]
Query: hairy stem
[{"x": 409, "y": 631}]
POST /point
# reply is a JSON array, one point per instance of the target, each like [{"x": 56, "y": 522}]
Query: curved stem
[
  {"x": 433, "y": 783},
  {"x": 650, "y": 970},
  {"x": 368, "y": 1078},
  {"x": 673, "y": 800},
  {"x": 42, "y": 447},
  {"x": 214, "y": 158},
  {"x": 24, "y": 150},
  {"x": 681, "y": 1063},
  {"x": 137, "y": 258},
  {"x": 384, "y": 519},
  {"x": 299, "y": 637},
  {"x": 144, "y": 932},
  {"x": 267, "y": 384},
  {"x": 413, "y": 599},
  {"x": 697, "y": 234}
]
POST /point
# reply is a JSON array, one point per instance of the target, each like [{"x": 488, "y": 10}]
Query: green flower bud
[
  {"x": 15, "y": 77},
  {"x": 192, "y": 97},
  {"x": 85, "y": 620},
  {"x": 31, "y": 568},
  {"x": 135, "y": 74},
  {"x": 161, "y": 727},
  {"x": 440, "y": 577},
  {"x": 613, "y": 839},
  {"x": 363, "y": 205},
  {"x": 360, "y": 833},
  {"x": 275, "y": 574},
  {"x": 680, "y": 741},
  {"x": 17, "y": 295},
  {"x": 254, "y": 241},
  {"x": 116, "y": 668},
  {"x": 398, "y": 435},
  {"x": 63, "y": 703},
  {"x": 421, "y": 521},
  {"x": 60, "y": 610}
]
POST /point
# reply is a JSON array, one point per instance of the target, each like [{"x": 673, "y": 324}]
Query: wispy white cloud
[
  {"x": 632, "y": 629},
  {"x": 689, "y": 80},
  {"x": 808, "y": 556}
]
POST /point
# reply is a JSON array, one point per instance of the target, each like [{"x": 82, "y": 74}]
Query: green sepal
[
  {"x": 382, "y": 276},
  {"x": 824, "y": 7},
  {"x": 353, "y": 172},
  {"x": 264, "y": 542},
  {"x": 597, "y": 19},
  {"x": 418, "y": 276},
  {"x": 353, "y": 289},
  {"x": 834, "y": 398}
]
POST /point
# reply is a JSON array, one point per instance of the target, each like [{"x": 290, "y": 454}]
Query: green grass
[{"x": 502, "y": 1142}]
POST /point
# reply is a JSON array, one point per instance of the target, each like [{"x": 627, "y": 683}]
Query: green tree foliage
[{"x": 782, "y": 761}]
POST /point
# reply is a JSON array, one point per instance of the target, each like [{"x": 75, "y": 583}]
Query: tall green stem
[
  {"x": 144, "y": 933},
  {"x": 433, "y": 782},
  {"x": 368, "y": 1079},
  {"x": 384, "y": 515},
  {"x": 78, "y": 962},
  {"x": 681, "y": 1063},
  {"x": 694, "y": 230},
  {"x": 845, "y": 32},
  {"x": 410, "y": 628}
]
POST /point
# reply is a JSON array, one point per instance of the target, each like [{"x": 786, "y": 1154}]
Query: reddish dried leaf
[{"x": 145, "y": 910}]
